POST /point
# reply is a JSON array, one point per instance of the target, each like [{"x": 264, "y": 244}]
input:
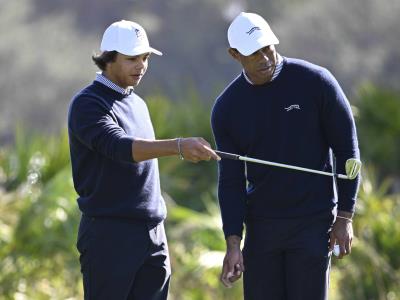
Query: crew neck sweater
[
  {"x": 102, "y": 125},
  {"x": 297, "y": 119}
]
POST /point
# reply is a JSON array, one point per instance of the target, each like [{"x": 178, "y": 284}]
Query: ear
[{"x": 234, "y": 53}]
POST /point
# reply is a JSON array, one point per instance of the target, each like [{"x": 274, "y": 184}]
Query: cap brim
[
  {"x": 135, "y": 51},
  {"x": 256, "y": 45},
  {"x": 142, "y": 50},
  {"x": 155, "y": 51}
]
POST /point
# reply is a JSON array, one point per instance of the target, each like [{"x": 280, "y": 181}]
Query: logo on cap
[
  {"x": 252, "y": 30},
  {"x": 139, "y": 34}
]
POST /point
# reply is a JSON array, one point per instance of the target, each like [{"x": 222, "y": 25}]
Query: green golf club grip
[{"x": 227, "y": 155}]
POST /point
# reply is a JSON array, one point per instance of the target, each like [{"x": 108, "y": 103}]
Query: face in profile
[{"x": 127, "y": 70}]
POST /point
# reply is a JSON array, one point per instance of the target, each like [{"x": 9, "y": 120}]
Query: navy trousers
[
  {"x": 123, "y": 259},
  {"x": 287, "y": 259}
]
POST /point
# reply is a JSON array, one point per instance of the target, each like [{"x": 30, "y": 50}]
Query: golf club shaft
[{"x": 270, "y": 163}]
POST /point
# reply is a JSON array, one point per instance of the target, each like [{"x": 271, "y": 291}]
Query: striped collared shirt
[
  {"x": 107, "y": 82},
  {"x": 278, "y": 69}
]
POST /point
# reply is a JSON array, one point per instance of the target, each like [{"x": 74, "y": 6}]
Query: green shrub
[
  {"x": 39, "y": 219},
  {"x": 373, "y": 269},
  {"x": 378, "y": 123}
]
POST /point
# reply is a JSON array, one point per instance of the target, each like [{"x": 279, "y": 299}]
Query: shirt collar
[
  {"x": 278, "y": 69},
  {"x": 107, "y": 82}
]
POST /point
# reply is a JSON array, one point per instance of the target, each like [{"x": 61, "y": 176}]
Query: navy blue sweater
[
  {"x": 295, "y": 119},
  {"x": 102, "y": 126}
]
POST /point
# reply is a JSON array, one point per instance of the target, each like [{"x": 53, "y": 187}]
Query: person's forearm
[
  {"x": 148, "y": 149},
  {"x": 233, "y": 242}
]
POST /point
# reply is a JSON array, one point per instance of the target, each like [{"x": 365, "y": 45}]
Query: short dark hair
[{"x": 101, "y": 60}]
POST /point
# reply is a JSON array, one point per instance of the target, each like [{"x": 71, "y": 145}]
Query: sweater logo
[{"x": 293, "y": 106}]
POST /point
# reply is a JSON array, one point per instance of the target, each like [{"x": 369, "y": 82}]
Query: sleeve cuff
[
  {"x": 233, "y": 231},
  {"x": 350, "y": 206}
]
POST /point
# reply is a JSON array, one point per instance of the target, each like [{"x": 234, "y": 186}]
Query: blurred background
[{"x": 45, "y": 51}]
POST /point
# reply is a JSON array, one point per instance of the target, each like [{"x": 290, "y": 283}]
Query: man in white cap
[
  {"x": 121, "y": 239},
  {"x": 290, "y": 111}
]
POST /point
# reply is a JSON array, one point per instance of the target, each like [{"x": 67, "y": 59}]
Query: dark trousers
[
  {"x": 287, "y": 259},
  {"x": 123, "y": 259}
]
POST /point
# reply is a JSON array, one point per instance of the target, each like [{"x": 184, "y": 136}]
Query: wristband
[
  {"x": 180, "y": 149},
  {"x": 344, "y": 218}
]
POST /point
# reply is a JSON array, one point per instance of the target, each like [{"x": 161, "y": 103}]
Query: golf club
[{"x": 352, "y": 167}]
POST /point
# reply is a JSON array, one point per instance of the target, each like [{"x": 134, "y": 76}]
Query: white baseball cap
[
  {"x": 249, "y": 32},
  {"x": 128, "y": 38}
]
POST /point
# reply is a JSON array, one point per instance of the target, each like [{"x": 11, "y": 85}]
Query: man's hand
[
  {"x": 195, "y": 149},
  {"x": 342, "y": 233},
  {"x": 233, "y": 267}
]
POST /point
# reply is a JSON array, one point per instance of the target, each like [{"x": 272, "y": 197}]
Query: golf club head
[{"x": 353, "y": 167}]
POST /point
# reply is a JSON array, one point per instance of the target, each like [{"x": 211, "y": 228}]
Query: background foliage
[
  {"x": 46, "y": 46},
  {"x": 39, "y": 216},
  {"x": 379, "y": 125},
  {"x": 45, "y": 58}
]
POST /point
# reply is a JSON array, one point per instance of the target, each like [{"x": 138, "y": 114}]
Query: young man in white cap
[
  {"x": 121, "y": 240},
  {"x": 290, "y": 111}
]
